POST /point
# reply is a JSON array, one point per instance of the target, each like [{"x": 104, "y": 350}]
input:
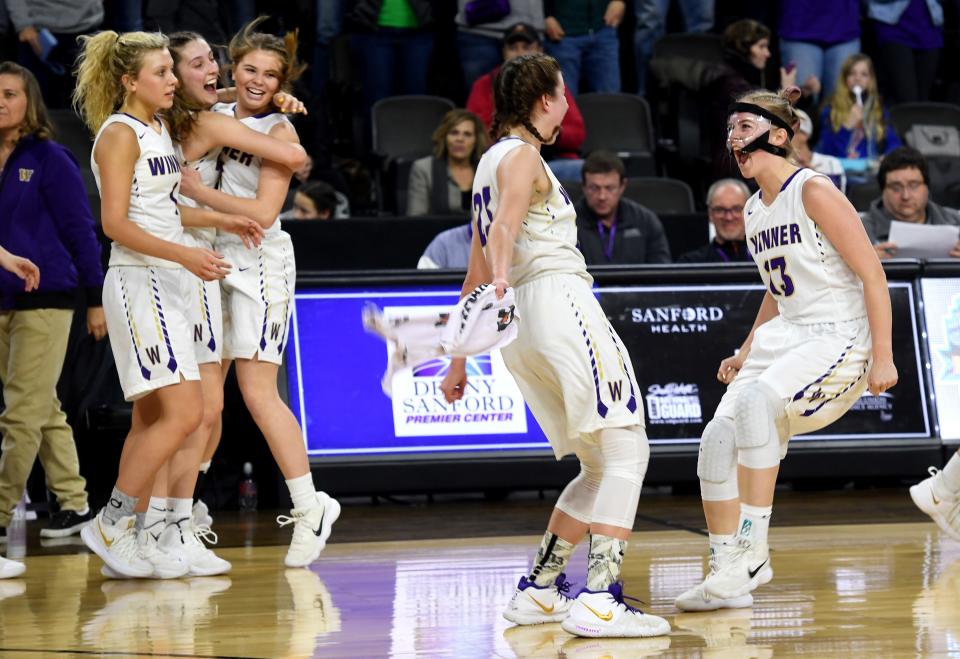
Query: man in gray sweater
[
  {"x": 905, "y": 197},
  {"x": 65, "y": 20}
]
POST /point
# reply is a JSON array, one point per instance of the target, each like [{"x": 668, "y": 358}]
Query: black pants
[{"x": 907, "y": 74}]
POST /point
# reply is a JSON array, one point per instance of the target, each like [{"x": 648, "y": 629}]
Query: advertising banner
[
  {"x": 941, "y": 307},
  {"x": 676, "y": 337}
]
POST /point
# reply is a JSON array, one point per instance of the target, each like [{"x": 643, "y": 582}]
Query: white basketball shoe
[
  {"x": 185, "y": 540},
  {"x": 605, "y": 614},
  {"x": 748, "y": 567},
  {"x": 533, "y": 605},
  {"x": 117, "y": 545},
  {"x": 10, "y": 569},
  {"x": 311, "y": 528},
  {"x": 697, "y": 598},
  {"x": 944, "y": 511}
]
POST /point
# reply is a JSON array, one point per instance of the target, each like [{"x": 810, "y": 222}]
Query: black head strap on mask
[{"x": 762, "y": 142}]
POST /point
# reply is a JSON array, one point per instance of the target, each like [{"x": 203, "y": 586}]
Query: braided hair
[{"x": 518, "y": 86}]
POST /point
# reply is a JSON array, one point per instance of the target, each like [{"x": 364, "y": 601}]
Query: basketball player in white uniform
[
  {"x": 137, "y": 172},
  {"x": 821, "y": 337},
  {"x": 198, "y": 138},
  {"x": 572, "y": 368},
  {"x": 258, "y": 296}
]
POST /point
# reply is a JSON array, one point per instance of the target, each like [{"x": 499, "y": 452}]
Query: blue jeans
[
  {"x": 478, "y": 55},
  {"x": 652, "y": 24},
  {"x": 596, "y": 55},
  {"x": 392, "y": 62},
  {"x": 329, "y": 19},
  {"x": 824, "y": 63}
]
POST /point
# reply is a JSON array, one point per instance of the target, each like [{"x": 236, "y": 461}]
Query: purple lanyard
[
  {"x": 723, "y": 255},
  {"x": 608, "y": 250}
]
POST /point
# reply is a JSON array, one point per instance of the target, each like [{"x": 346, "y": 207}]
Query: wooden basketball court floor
[{"x": 857, "y": 574}]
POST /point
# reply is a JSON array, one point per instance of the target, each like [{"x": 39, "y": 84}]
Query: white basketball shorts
[
  {"x": 147, "y": 323},
  {"x": 258, "y": 298},
  {"x": 572, "y": 368},
  {"x": 819, "y": 370},
  {"x": 204, "y": 311}
]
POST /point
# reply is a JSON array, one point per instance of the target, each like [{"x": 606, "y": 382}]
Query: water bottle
[
  {"x": 17, "y": 532},
  {"x": 248, "y": 489}
]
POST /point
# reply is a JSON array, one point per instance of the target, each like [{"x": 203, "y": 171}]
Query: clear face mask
[{"x": 744, "y": 128}]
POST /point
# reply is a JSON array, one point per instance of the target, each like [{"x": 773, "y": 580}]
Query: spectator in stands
[
  {"x": 563, "y": 156},
  {"x": 746, "y": 51},
  {"x": 909, "y": 41},
  {"x": 449, "y": 249},
  {"x": 725, "y": 201},
  {"x": 35, "y": 21},
  {"x": 854, "y": 124},
  {"x": 313, "y": 200},
  {"x": 392, "y": 44},
  {"x": 806, "y": 157},
  {"x": 442, "y": 184},
  {"x": 329, "y": 23},
  {"x": 582, "y": 37},
  {"x": 905, "y": 197},
  {"x": 816, "y": 36},
  {"x": 651, "y": 24},
  {"x": 480, "y": 28},
  {"x": 47, "y": 219},
  {"x": 611, "y": 229}
]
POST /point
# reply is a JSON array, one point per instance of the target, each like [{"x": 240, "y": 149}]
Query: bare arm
[
  {"x": 516, "y": 178},
  {"x": 116, "y": 154},
  {"x": 286, "y": 103},
  {"x": 214, "y": 129},
  {"x": 249, "y": 231},
  {"x": 21, "y": 267},
  {"x": 271, "y": 189},
  {"x": 730, "y": 366},
  {"x": 842, "y": 226}
]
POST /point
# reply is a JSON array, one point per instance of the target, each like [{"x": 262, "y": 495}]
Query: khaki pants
[{"x": 33, "y": 345}]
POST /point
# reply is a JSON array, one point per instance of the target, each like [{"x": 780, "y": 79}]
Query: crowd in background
[{"x": 853, "y": 61}]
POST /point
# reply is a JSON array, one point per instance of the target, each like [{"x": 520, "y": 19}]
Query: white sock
[
  {"x": 205, "y": 466},
  {"x": 156, "y": 512},
  {"x": 178, "y": 509},
  {"x": 948, "y": 485},
  {"x": 754, "y": 523},
  {"x": 720, "y": 542},
  {"x": 302, "y": 491}
]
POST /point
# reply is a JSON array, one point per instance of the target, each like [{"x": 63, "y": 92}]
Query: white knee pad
[
  {"x": 717, "y": 461},
  {"x": 756, "y": 412},
  {"x": 626, "y": 454},
  {"x": 579, "y": 496}
]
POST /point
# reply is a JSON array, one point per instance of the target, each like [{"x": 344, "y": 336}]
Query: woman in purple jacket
[{"x": 46, "y": 218}]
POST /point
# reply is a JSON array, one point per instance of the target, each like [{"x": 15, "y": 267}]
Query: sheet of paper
[{"x": 923, "y": 241}]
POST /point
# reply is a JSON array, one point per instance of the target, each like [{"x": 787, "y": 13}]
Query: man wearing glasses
[
  {"x": 725, "y": 201},
  {"x": 905, "y": 197},
  {"x": 610, "y": 228}
]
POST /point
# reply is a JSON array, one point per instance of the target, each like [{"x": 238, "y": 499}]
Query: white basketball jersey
[
  {"x": 239, "y": 171},
  {"x": 208, "y": 167},
  {"x": 153, "y": 192},
  {"x": 800, "y": 266},
  {"x": 547, "y": 242}
]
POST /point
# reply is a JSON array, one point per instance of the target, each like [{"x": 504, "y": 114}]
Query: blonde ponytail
[{"x": 104, "y": 58}]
